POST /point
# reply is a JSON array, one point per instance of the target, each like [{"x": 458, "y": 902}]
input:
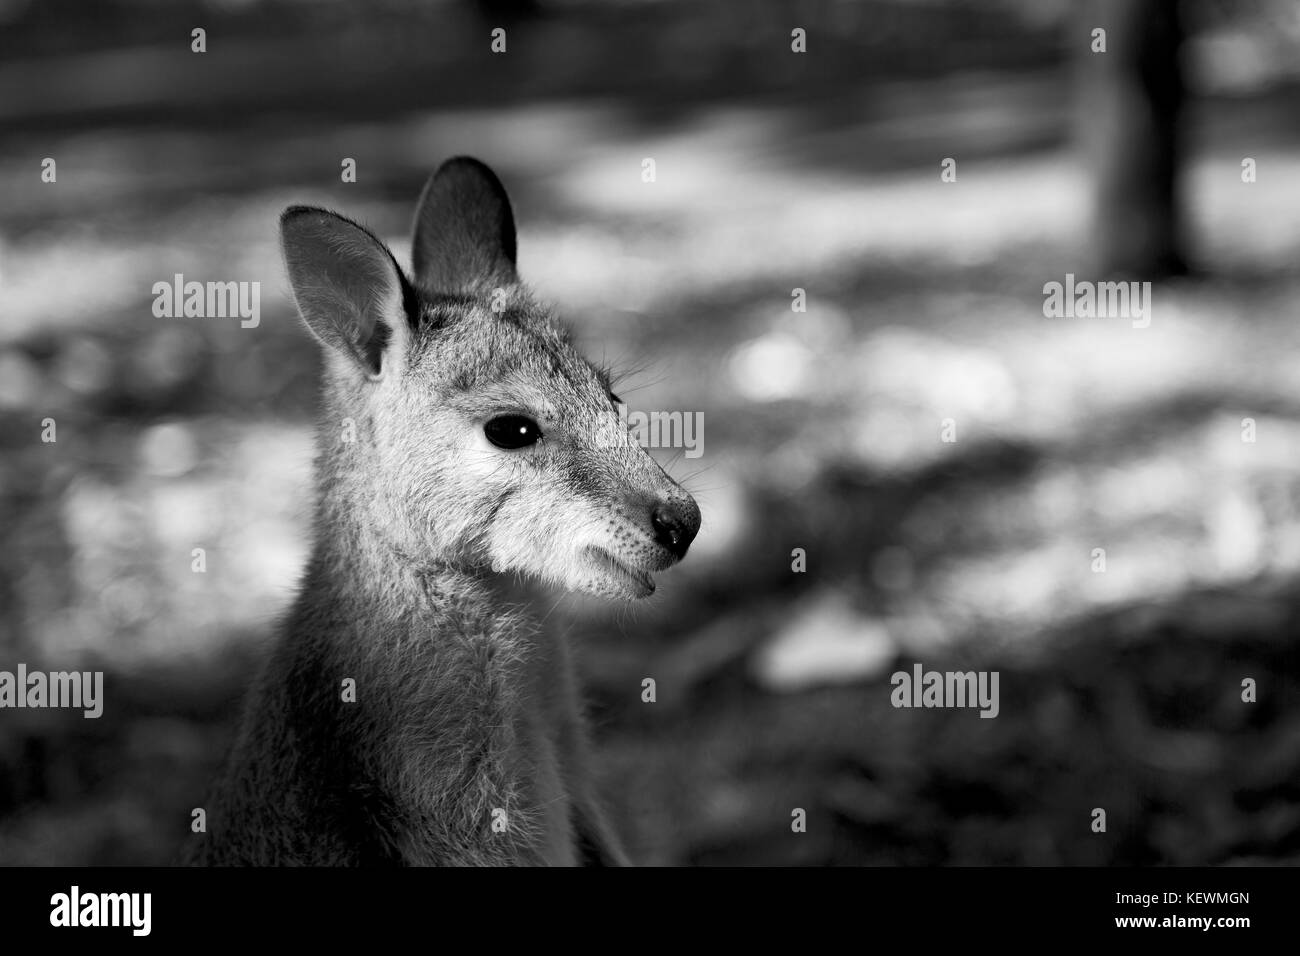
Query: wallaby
[{"x": 408, "y": 714}]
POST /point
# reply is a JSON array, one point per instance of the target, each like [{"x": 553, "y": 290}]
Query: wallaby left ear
[
  {"x": 464, "y": 240},
  {"x": 349, "y": 289}
]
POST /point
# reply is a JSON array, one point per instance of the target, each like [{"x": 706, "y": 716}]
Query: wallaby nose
[{"x": 675, "y": 525}]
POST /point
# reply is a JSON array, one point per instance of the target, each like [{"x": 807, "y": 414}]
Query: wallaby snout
[{"x": 676, "y": 524}]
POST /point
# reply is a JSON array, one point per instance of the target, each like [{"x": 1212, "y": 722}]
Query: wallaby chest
[{"x": 458, "y": 718}]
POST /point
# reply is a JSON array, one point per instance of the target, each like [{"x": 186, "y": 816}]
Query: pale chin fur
[
  {"x": 616, "y": 578},
  {"x": 591, "y": 570}
]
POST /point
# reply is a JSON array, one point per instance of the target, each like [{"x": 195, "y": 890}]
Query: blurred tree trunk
[{"x": 1132, "y": 99}]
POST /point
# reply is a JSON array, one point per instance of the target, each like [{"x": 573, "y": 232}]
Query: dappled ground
[{"x": 1120, "y": 689}]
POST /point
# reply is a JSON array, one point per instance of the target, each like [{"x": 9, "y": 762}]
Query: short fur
[{"x": 465, "y": 713}]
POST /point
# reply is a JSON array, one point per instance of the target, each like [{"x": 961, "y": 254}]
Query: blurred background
[{"x": 775, "y": 170}]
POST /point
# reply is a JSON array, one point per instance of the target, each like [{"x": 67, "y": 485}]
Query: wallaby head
[{"x": 482, "y": 437}]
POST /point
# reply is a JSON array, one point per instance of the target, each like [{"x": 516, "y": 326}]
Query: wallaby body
[{"x": 462, "y": 438}]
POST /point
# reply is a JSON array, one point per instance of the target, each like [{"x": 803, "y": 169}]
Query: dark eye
[
  {"x": 512, "y": 431},
  {"x": 615, "y": 399}
]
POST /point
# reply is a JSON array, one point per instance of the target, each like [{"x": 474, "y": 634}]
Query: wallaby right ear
[
  {"x": 348, "y": 287},
  {"x": 464, "y": 239}
]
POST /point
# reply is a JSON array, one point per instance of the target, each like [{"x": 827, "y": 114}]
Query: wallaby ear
[
  {"x": 464, "y": 231},
  {"x": 349, "y": 289}
]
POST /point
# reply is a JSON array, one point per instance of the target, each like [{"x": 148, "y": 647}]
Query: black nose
[{"x": 675, "y": 526}]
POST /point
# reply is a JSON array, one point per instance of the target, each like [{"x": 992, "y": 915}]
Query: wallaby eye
[
  {"x": 615, "y": 399},
  {"x": 512, "y": 431}
]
